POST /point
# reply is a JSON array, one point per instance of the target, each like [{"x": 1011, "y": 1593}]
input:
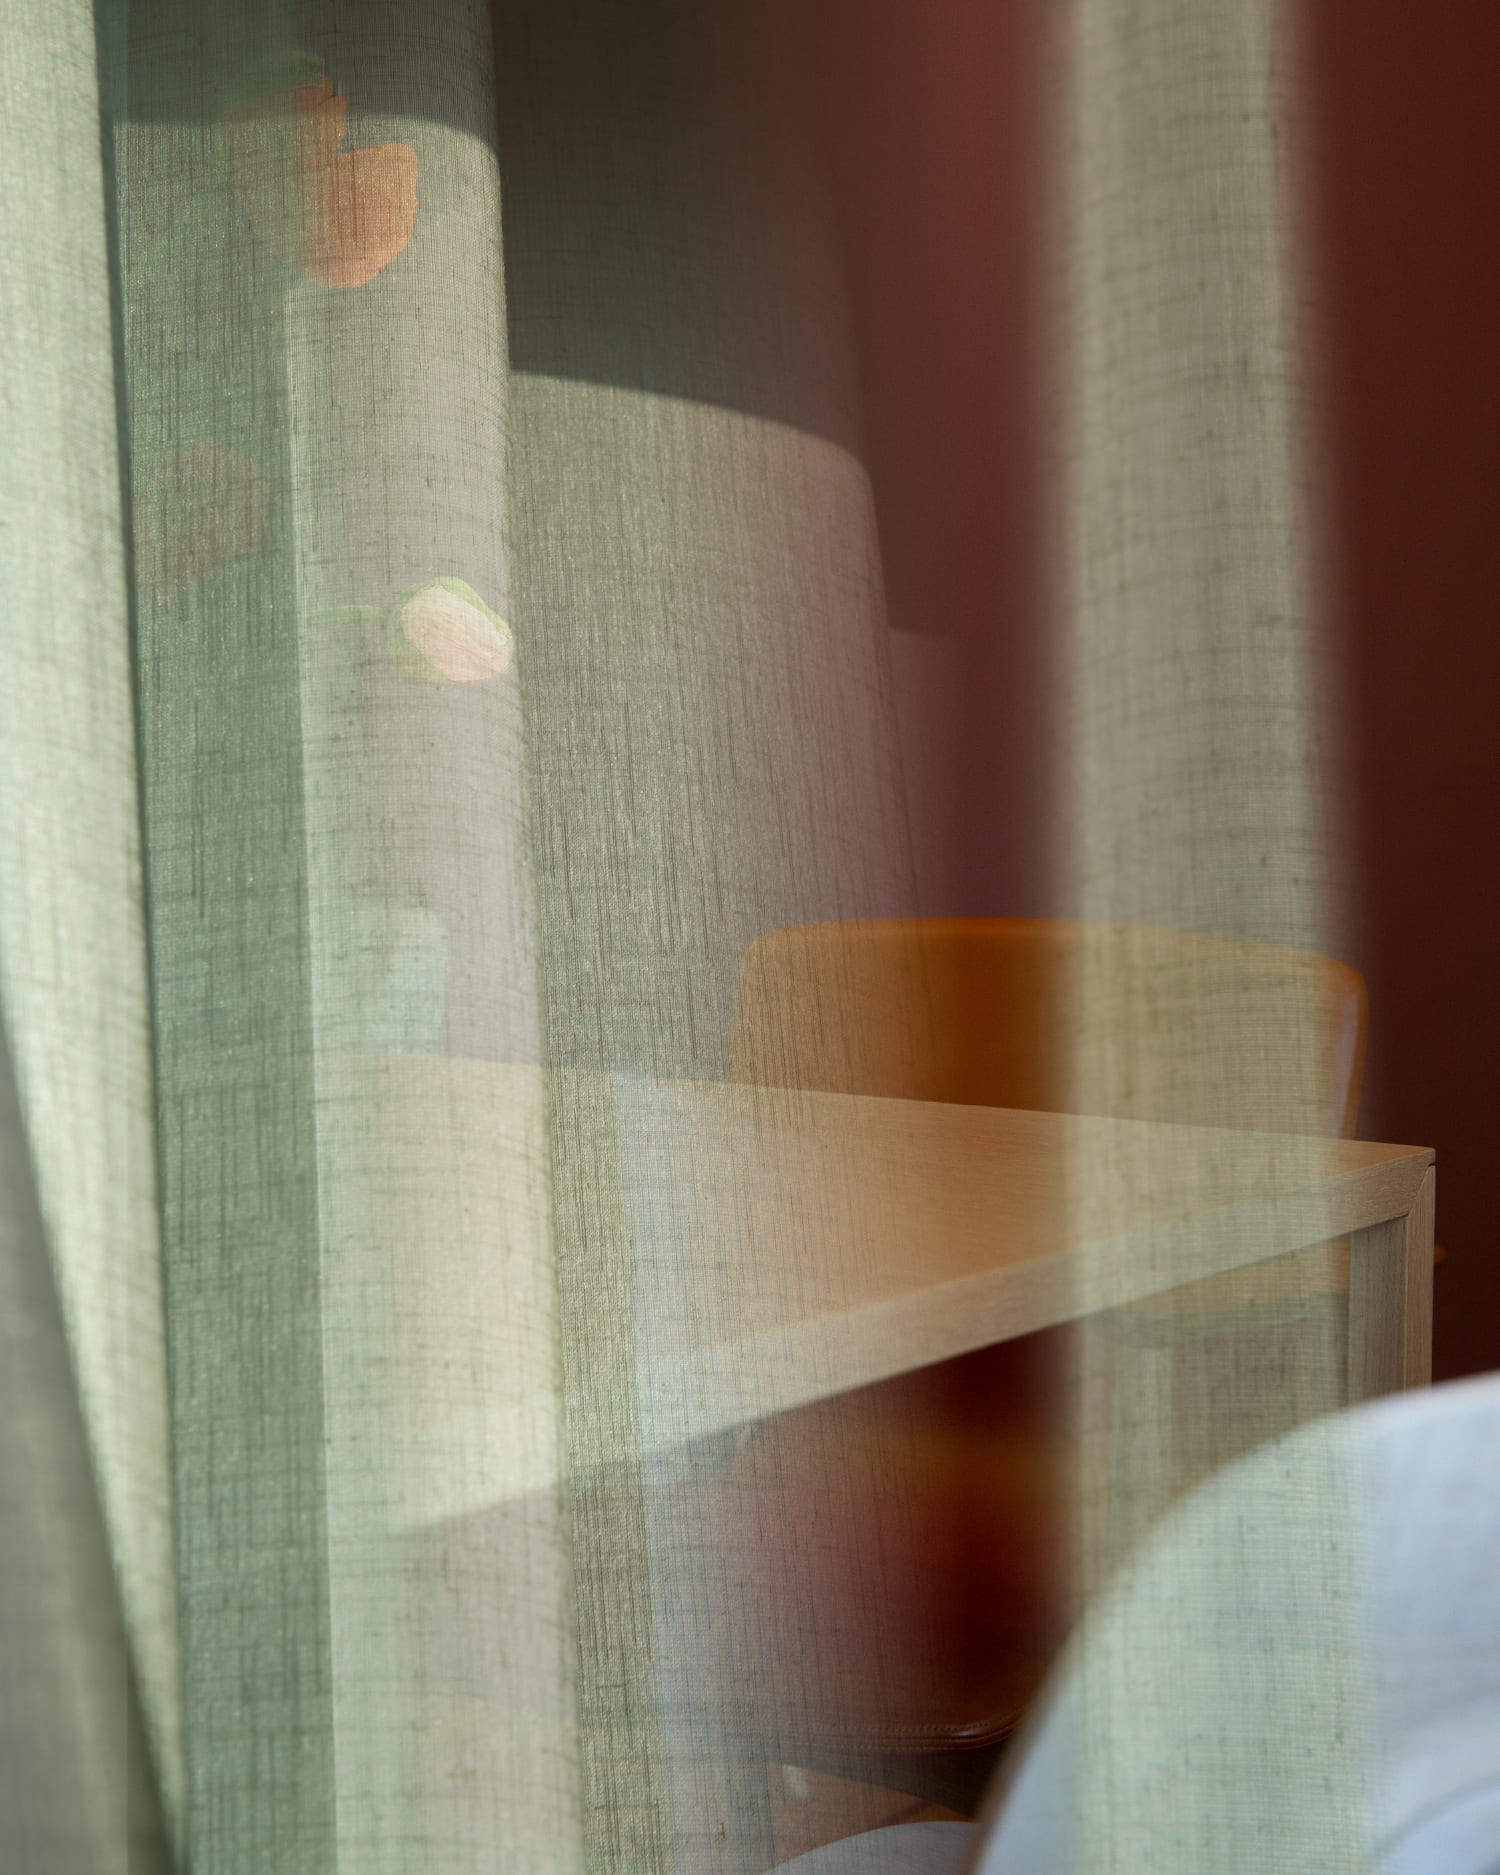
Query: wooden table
[
  {"x": 789, "y": 1246},
  {"x": 697, "y": 1257},
  {"x": 784, "y": 1247}
]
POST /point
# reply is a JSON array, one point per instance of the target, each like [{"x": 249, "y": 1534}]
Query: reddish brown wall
[
  {"x": 937, "y": 132},
  {"x": 1405, "y": 118}
]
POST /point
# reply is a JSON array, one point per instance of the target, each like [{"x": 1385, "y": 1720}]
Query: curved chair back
[{"x": 1046, "y": 1014}]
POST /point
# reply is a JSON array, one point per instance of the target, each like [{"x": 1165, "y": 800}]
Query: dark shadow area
[
  {"x": 938, "y": 125},
  {"x": 667, "y": 226},
  {"x": 1403, "y": 144}
]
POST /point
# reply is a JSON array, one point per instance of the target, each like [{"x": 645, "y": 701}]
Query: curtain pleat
[
  {"x": 73, "y": 983},
  {"x": 205, "y": 343},
  {"x": 78, "y": 1789},
  {"x": 1190, "y": 763},
  {"x": 1193, "y": 798},
  {"x": 707, "y": 687},
  {"x": 355, "y": 1196}
]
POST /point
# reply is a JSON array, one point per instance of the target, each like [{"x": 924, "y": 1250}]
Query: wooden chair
[{"x": 928, "y": 1587}]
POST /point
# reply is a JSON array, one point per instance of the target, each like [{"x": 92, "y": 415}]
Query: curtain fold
[
  {"x": 356, "y": 1224},
  {"x": 707, "y": 687},
  {"x": 205, "y": 344},
  {"x": 78, "y": 1788},
  {"x": 1188, "y": 640},
  {"x": 73, "y": 978},
  {"x": 1194, "y": 795}
]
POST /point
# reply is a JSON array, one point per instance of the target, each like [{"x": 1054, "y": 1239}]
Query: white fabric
[
  {"x": 1435, "y": 1544},
  {"x": 904, "y": 1849},
  {"x": 1462, "y": 1839}
]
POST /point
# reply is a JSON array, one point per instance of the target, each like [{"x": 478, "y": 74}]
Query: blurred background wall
[
  {"x": 1405, "y": 153},
  {"x": 941, "y": 146}
]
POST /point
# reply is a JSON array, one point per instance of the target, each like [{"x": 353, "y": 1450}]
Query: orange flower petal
[
  {"x": 365, "y": 212},
  {"x": 338, "y": 218}
]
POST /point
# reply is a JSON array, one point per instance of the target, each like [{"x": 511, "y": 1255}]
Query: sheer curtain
[{"x": 443, "y": 629}]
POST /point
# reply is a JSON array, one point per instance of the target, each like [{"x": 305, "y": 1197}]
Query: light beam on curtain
[
  {"x": 1192, "y": 796},
  {"x": 73, "y": 994},
  {"x": 497, "y": 689},
  {"x": 356, "y": 1216}
]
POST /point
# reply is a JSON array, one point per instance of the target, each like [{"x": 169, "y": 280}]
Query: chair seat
[{"x": 904, "y": 1849}]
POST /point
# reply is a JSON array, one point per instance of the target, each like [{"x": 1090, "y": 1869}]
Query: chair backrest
[{"x": 1047, "y": 1014}]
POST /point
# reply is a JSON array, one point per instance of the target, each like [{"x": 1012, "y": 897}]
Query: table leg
[{"x": 1390, "y": 1302}]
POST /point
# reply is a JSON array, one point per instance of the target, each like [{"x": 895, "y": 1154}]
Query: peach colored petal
[
  {"x": 362, "y": 216},
  {"x": 460, "y": 639},
  {"x": 338, "y": 218}
]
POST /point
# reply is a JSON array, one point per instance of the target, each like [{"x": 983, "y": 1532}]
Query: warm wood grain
[
  {"x": 1390, "y": 1300},
  {"x": 791, "y": 1246},
  {"x": 772, "y": 1247},
  {"x": 722, "y": 1253}
]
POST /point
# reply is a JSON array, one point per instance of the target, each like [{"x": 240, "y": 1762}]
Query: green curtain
[
  {"x": 443, "y": 628},
  {"x": 407, "y": 721},
  {"x": 88, "y": 1497}
]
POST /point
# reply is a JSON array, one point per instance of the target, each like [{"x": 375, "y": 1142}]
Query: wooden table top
[
  {"x": 787, "y": 1246},
  {"x": 733, "y": 1251}
]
